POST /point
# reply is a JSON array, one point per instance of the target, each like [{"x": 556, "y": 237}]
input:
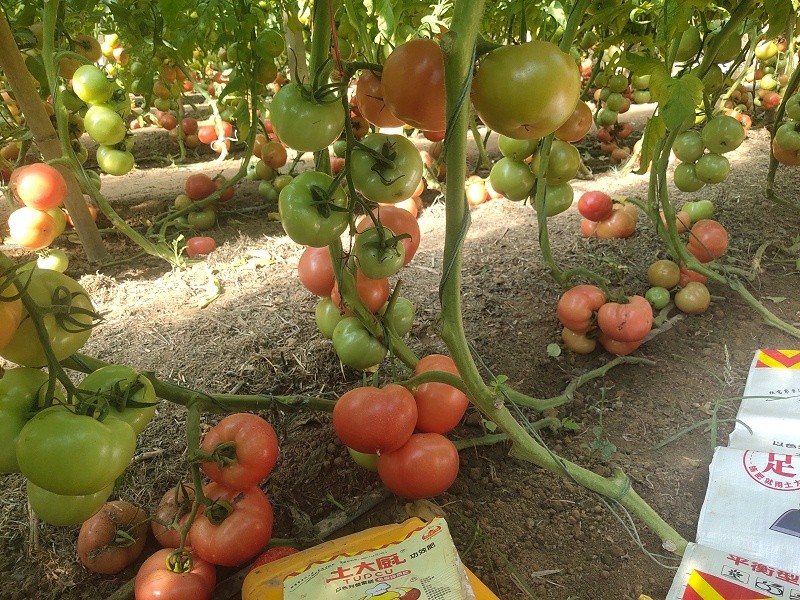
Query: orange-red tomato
[
  {"x": 413, "y": 84},
  {"x": 628, "y": 322},
  {"x": 372, "y": 292},
  {"x": 32, "y": 229},
  {"x": 200, "y": 246},
  {"x": 688, "y": 275},
  {"x": 315, "y": 271},
  {"x": 577, "y": 125},
  {"x": 98, "y": 547},
  {"x": 156, "y": 581},
  {"x": 426, "y": 465},
  {"x": 199, "y": 186},
  {"x": 440, "y": 407},
  {"x": 619, "y": 225},
  {"x": 616, "y": 347},
  {"x": 38, "y": 186},
  {"x": 708, "y": 240},
  {"x": 576, "y": 306},
  {"x": 172, "y": 511},
  {"x": 369, "y": 99}
]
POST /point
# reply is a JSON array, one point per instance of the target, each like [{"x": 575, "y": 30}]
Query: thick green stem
[{"x": 791, "y": 86}]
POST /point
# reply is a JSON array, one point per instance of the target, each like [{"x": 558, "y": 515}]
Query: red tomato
[
  {"x": 577, "y": 125},
  {"x": 409, "y": 204},
  {"x": 241, "y": 534},
  {"x": 156, "y": 581},
  {"x": 369, "y": 99},
  {"x": 616, "y": 347},
  {"x": 427, "y": 465},
  {"x": 168, "y": 121},
  {"x": 576, "y": 305},
  {"x": 249, "y": 453},
  {"x": 172, "y": 511},
  {"x": 38, "y": 186},
  {"x": 273, "y": 554},
  {"x": 31, "y": 228},
  {"x": 101, "y": 548},
  {"x": 200, "y": 246},
  {"x": 371, "y": 420},
  {"x": 708, "y": 240},
  {"x": 189, "y": 126},
  {"x": 629, "y": 322},
  {"x": 221, "y": 180},
  {"x": 373, "y": 293},
  {"x": 688, "y": 275},
  {"x": 588, "y": 227},
  {"x": 207, "y": 133},
  {"x": 619, "y": 225},
  {"x": 315, "y": 271},
  {"x": 199, "y": 186},
  {"x": 274, "y": 154},
  {"x": 413, "y": 84},
  {"x": 400, "y": 221},
  {"x": 595, "y": 205},
  {"x": 440, "y": 407}
]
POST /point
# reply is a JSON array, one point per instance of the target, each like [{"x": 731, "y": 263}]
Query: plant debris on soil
[{"x": 526, "y": 533}]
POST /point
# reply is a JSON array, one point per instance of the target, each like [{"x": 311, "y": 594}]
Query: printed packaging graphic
[
  {"x": 708, "y": 574},
  {"x": 769, "y": 415}
]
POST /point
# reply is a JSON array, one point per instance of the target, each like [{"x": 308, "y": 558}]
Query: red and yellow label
[
  {"x": 778, "y": 359},
  {"x": 703, "y": 586}
]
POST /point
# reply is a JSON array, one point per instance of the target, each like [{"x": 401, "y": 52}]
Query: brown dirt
[{"x": 526, "y": 532}]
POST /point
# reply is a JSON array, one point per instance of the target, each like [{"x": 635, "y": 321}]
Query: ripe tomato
[
  {"x": 708, "y": 240},
  {"x": 315, "y": 271},
  {"x": 507, "y": 89},
  {"x": 38, "y": 186},
  {"x": 200, "y": 246},
  {"x": 355, "y": 345},
  {"x": 369, "y": 99},
  {"x": 392, "y": 179},
  {"x": 373, "y": 293},
  {"x": 273, "y": 554},
  {"x": 578, "y": 343},
  {"x": 619, "y": 225},
  {"x": 241, "y": 527},
  {"x": 629, "y": 322},
  {"x": 68, "y": 330},
  {"x": 378, "y": 254},
  {"x": 616, "y": 347},
  {"x": 207, "y": 134},
  {"x": 172, "y": 511},
  {"x": 476, "y": 191},
  {"x": 400, "y": 221},
  {"x": 421, "y": 104},
  {"x": 576, "y": 306},
  {"x": 31, "y": 228},
  {"x": 375, "y": 420},
  {"x": 688, "y": 275},
  {"x": 588, "y": 227},
  {"x": 199, "y": 186},
  {"x": 101, "y": 548},
  {"x": 274, "y": 154},
  {"x": 663, "y": 273},
  {"x": 577, "y": 124},
  {"x": 303, "y": 122},
  {"x": 249, "y": 452},
  {"x": 189, "y": 126},
  {"x": 219, "y": 183},
  {"x": 440, "y": 406},
  {"x": 595, "y": 206},
  {"x": 693, "y": 299},
  {"x": 426, "y": 465},
  {"x": 159, "y": 579},
  {"x": 784, "y": 155}
]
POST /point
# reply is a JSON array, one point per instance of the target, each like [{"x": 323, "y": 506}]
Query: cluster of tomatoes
[
  {"x": 401, "y": 433},
  {"x": 613, "y": 99},
  {"x": 771, "y": 73},
  {"x": 702, "y": 153},
  {"x": 786, "y": 143},
  {"x": 40, "y": 190},
  {"x": 200, "y": 186},
  {"x": 605, "y": 219}
]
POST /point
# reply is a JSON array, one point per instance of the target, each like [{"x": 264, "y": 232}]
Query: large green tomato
[
  {"x": 526, "y": 91},
  {"x": 71, "y": 454},
  {"x": 722, "y": 134},
  {"x": 61, "y": 510},
  {"x": 304, "y": 123},
  {"x": 378, "y": 253},
  {"x": 712, "y": 168},
  {"x": 355, "y": 346},
  {"x": 512, "y": 178},
  {"x": 312, "y": 210},
  {"x": 698, "y": 209},
  {"x": 104, "y": 125},
  {"x": 68, "y": 325},
  {"x": 91, "y": 85},
  {"x": 557, "y": 199},
  {"x": 22, "y": 390},
  {"x": 688, "y": 146},
  {"x": 392, "y": 178},
  {"x": 114, "y": 161},
  {"x": 562, "y": 164},
  {"x": 686, "y": 178},
  {"x": 788, "y": 136},
  {"x": 327, "y": 316},
  {"x": 129, "y": 394},
  {"x": 793, "y": 107},
  {"x": 399, "y": 315}
]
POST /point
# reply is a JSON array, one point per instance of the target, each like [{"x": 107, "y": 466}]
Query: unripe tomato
[{"x": 693, "y": 299}]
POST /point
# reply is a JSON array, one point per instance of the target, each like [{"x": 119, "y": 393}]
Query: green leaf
[
  {"x": 778, "y": 12},
  {"x": 677, "y": 18},
  {"x": 641, "y": 65},
  {"x": 236, "y": 84},
  {"x": 570, "y": 424},
  {"x": 490, "y": 426},
  {"x": 653, "y": 132},
  {"x": 386, "y": 19},
  {"x": 556, "y": 10},
  {"x": 678, "y": 98},
  {"x": 553, "y": 350},
  {"x": 170, "y": 9}
]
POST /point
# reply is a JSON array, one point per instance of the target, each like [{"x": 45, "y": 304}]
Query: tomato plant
[
  {"x": 245, "y": 450},
  {"x": 113, "y": 537},
  {"x": 313, "y": 209},
  {"x": 628, "y": 322},
  {"x": 162, "y": 577},
  {"x": 577, "y": 305},
  {"x": 440, "y": 406},
  {"x": 426, "y": 465},
  {"x": 386, "y": 168},
  {"x": 375, "y": 420},
  {"x": 304, "y": 122},
  {"x": 234, "y": 528}
]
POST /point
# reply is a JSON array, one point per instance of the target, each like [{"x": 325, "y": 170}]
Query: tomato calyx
[
  {"x": 219, "y": 510},
  {"x": 180, "y": 561},
  {"x": 321, "y": 200},
  {"x": 224, "y": 454},
  {"x": 64, "y": 310}
]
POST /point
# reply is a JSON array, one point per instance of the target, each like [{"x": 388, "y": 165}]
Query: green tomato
[
  {"x": 617, "y": 83},
  {"x": 658, "y": 296},
  {"x": 399, "y": 315},
  {"x": 55, "y": 259},
  {"x": 104, "y": 125},
  {"x": 615, "y": 101},
  {"x": 71, "y": 454},
  {"x": 557, "y": 199},
  {"x": 355, "y": 346},
  {"x": 269, "y": 42},
  {"x": 605, "y": 117},
  {"x": 722, "y": 134},
  {"x": 22, "y": 391},
  {"x": 68, "y": 328},
  {"x": 686, "y": 179},
  {"x": 562, "y": 165},
  {"x": 267, "y": 191},
  {"x": 392, "y": 179},
  {"x": 793, "y": 107},
  {"x": 788, "y": 136},
  {"x": 698, "y": 210},
  {"x": 364, "y": 460},
  {"x": 516, "y": 149},
  {"x": 378, "y": 253},
  {"x": 64, "y": 511},
  {"x": 712, "y": 168},
  {"x": 129, "y": 394},
  {"x": 640, "y": 82},
  {"x": 302, "y": 122},
  {"x": 114, "y": 162},
  {"x": 688, "y": 146},
  {"x": 327, "y": 316},
  {"x": 512, "y": 178},
  {"x": 91, "y": 85},
  {"x": 642, "y": 97},
  {"x": 689, "y": 45},
  {"x": 203, "y": 219},
  {"x": 313, "y": 210}
]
